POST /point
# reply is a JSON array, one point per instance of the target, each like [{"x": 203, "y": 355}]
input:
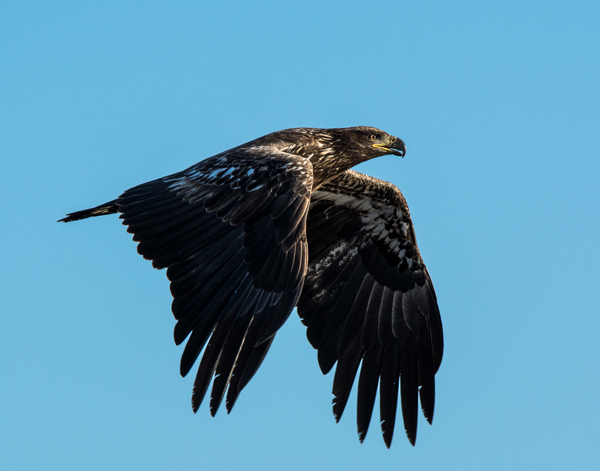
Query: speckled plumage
[{"x": 279, "y": 222}]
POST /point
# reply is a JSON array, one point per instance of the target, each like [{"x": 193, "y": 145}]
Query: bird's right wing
[
  {"x": 231, "y": 232},
  {"x": 368, "y": 298}
]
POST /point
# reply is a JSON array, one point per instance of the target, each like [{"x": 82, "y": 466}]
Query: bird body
[{"x": 280, "y": 222}]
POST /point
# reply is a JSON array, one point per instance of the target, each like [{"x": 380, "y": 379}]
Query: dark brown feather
[{"x": 368, "y": 295}]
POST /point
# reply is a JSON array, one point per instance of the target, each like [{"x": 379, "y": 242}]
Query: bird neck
[{"x": 327, "y": 166}]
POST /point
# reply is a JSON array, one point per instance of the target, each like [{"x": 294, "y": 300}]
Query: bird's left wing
[
  {"x": 368, "y": 297},
  {"x": 231, "y": 232}
]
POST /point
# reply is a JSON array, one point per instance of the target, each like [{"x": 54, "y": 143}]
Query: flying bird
[{"x": 282, "y": 222}]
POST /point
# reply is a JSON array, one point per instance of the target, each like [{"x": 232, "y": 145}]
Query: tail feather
[{"x": 107, "y": 208}]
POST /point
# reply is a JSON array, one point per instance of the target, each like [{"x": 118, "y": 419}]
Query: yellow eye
[{"x": 373, "y": 137}]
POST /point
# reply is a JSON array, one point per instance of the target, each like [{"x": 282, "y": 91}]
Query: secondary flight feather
[{"x": 282, "y": 222}]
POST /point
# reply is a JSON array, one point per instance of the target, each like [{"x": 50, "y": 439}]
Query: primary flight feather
[{"x": 280, "y": 222}]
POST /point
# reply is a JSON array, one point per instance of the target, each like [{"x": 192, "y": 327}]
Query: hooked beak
[{"x": 395, "y": 146}]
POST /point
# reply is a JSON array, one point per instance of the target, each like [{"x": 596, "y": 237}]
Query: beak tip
[{"x": 399, "y": 145}]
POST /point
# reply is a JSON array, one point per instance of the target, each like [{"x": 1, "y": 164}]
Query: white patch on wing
[
  {"x": 211, "y": 175},
  {"x": 404, "y": 228},
  {"x": 198, "y": 173},
  {"x": 228, "y": 172},
  {"x": 342, "y": 247},
  {"x": 364, "y": 205},
  {"x": 179, "y": 184}
]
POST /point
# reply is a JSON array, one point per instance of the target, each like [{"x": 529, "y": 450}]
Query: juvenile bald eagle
[{"x": 280, "y": 222}]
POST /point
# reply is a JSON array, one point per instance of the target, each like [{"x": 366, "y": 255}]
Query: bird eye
[{"x": 372, "y": 137}]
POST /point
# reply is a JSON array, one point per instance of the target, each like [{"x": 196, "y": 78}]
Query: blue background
[{"x": 499, "y": 105}]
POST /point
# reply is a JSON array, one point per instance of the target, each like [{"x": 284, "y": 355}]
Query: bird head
[{"x": 374, "y": 142}]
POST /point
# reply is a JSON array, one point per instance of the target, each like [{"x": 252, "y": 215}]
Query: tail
[{"x": 107, "y": 208}]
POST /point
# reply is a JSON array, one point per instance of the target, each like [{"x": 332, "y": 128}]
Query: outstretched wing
[
  {"x": 231, "y": 232},
  {"x": 368, "y": 297}
]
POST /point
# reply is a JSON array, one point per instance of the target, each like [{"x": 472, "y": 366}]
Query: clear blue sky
[{"x": 499, "y": 105}]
